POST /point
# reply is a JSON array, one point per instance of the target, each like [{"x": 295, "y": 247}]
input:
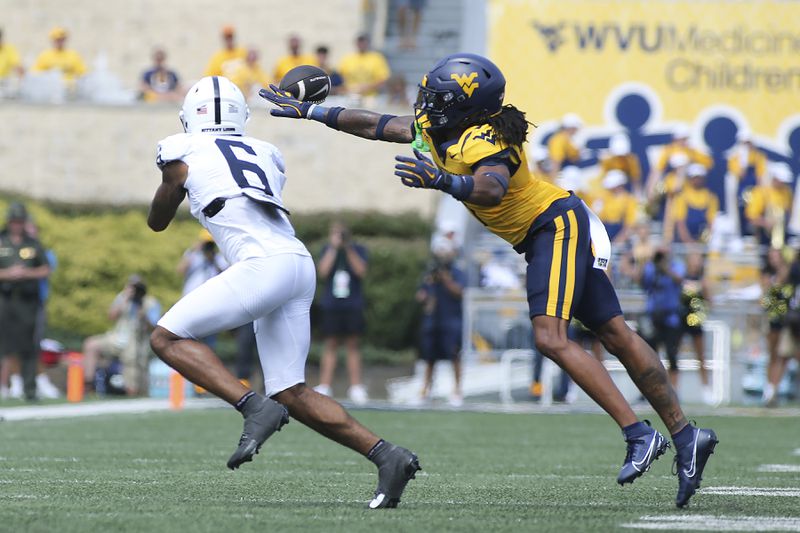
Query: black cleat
[
  {"x": 642, "y": 452},
  {"x": 397, "y": 467},
  {"x": 260, "y": 423},
  {"x": 690, "y": 462}
]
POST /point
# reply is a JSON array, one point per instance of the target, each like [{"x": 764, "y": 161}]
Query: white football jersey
[{"x": 249, "y": 174}]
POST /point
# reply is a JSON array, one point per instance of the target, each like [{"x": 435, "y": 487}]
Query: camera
[{"x": 139, "y": 291}]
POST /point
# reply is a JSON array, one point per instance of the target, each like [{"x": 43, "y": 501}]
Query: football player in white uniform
[{"x": 234, "y": 185}]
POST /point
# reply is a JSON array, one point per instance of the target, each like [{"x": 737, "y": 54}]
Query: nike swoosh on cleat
[
  {"x": 692, "y": 467},
  {"x": 377, "y": 501},
  {"x": 646, "y": 457}
]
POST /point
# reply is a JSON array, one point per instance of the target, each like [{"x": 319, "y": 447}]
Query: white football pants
[{"x": 275, "y": 293}]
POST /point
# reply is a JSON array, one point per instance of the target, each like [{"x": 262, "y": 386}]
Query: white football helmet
[{"x": 214, "y": 105}]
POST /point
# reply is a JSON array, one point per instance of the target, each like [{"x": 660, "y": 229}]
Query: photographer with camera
[
  {"x": 127, "y": 344},
  {"x": 662, "y": 280},
  {"x": 199, "y": 264},
  {"x": 342, "y": 268},
  {"x": 440, "y": 333}
]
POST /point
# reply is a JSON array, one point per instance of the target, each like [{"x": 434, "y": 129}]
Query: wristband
[
  {"x": 317, "y": 112},
  {"x": 459, "y": 187},
  {"x": 382, "y": 125},
  {"x": 332, "y": 117}
]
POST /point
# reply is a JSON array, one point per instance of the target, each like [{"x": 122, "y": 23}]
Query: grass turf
[{"x": 482, "y": 472}]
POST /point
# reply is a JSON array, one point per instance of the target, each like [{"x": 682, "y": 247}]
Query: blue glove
[
  {"x": 289, "y": 106},
  {"x": 420, "y": 172}
]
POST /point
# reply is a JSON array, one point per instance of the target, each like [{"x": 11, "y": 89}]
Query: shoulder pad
[
  {"x": 476, "y": 143},
  {"x": 173, "y": 148}
]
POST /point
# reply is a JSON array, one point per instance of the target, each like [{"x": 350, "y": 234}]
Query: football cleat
[
  {"x": 397, "y": 467},
  {"x": 690, "y": 462},
  {"x": 259, "y": 425},
  {"x": 642, "y": 451}
]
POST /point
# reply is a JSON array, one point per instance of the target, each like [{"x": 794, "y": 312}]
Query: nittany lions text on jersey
[{"x": 248, "y": 175}]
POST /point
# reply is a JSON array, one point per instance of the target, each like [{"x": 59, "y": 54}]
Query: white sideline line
[
  {"x": 142, "y": 405},
  {"x": 793, "y": 492},
  {"x": 715, "y": 523},
  {"x": 778, "y": 468}
]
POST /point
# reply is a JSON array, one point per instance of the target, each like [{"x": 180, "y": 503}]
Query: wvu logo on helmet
[{"x": 465, "y": 81}]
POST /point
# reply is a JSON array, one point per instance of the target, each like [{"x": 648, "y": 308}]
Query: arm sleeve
[{"x": 363, "y": 253}]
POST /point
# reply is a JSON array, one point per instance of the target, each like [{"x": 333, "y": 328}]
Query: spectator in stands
[
  {"x": 662, "y": 280},
  {"x": 365, "y": 71},
  {"x": 561, "y": 146},
  {"x": 199, "y": 264},
  {"x": 616, "y": 207},
  {"x": 159, "y": 83},
  {"x": 778, "y": 285},
  {"x": 770, "y": 205},
  {"x": 249, "y": 76},
  {"x": 619, "y": 157},
  {"x": 748, "y": 165},
  {"x": 293, "y": 59},
  {"x": 135, "y": 314},
  {"x": 694, "y": 208},
  {"x": 440, "y": 334},
  {"x": 23, "y": 263},
  {"x": 225, "y": 60},
  {"x": 342, "y": 268},
  {"x": 396, "y": 91},
  {"x": 540, "y": 161},
  {"x": 695, "y": 299},
  {"x": 9, "y": 60},
  {"x": 663, "y": 175},
  {"x": 323, "y": 62},
  {"x": 60, "y": 58},
  {"x": 409, "y": 17}
]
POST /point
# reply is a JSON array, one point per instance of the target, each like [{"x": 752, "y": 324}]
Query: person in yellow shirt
[
  {"x": 561, "y": 145},
  {"x": 249, "y": 76},
  {"x": 293, "y": 59},
  {"x": 770, "y": 205},
  {"x": 228, "y": 58},
  {"x": 365, "y": 71},
  {"x": 663, "y": 176},
  {"x": 9, "y": 59},
  {"x": 748, "y": 165},
  {"x": 620, "y": 158},
  {"x": 59, "y": 57},
  {"x": 695, "y": 207},
  {"x": 616, "y": 207},
  {"x": 476, "y": 152}
]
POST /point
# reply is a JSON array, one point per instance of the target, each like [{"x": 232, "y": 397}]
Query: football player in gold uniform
[{"x": 476, "y": 144}]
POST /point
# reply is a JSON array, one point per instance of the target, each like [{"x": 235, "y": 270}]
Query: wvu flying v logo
[{"x": 466, "y": 82}]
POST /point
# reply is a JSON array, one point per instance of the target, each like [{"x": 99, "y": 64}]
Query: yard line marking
[
  {"x": 792, "y": 492},
  {"x": 796, "y": 451},
  {"x": 778, "y": 468},
  {"x": 715, "y": 523}
]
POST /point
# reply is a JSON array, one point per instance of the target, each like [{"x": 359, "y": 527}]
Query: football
[{"x": 307, "y": 83}]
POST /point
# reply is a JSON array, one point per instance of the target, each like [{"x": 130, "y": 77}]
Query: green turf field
[{"x": 482, "y": 472}]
